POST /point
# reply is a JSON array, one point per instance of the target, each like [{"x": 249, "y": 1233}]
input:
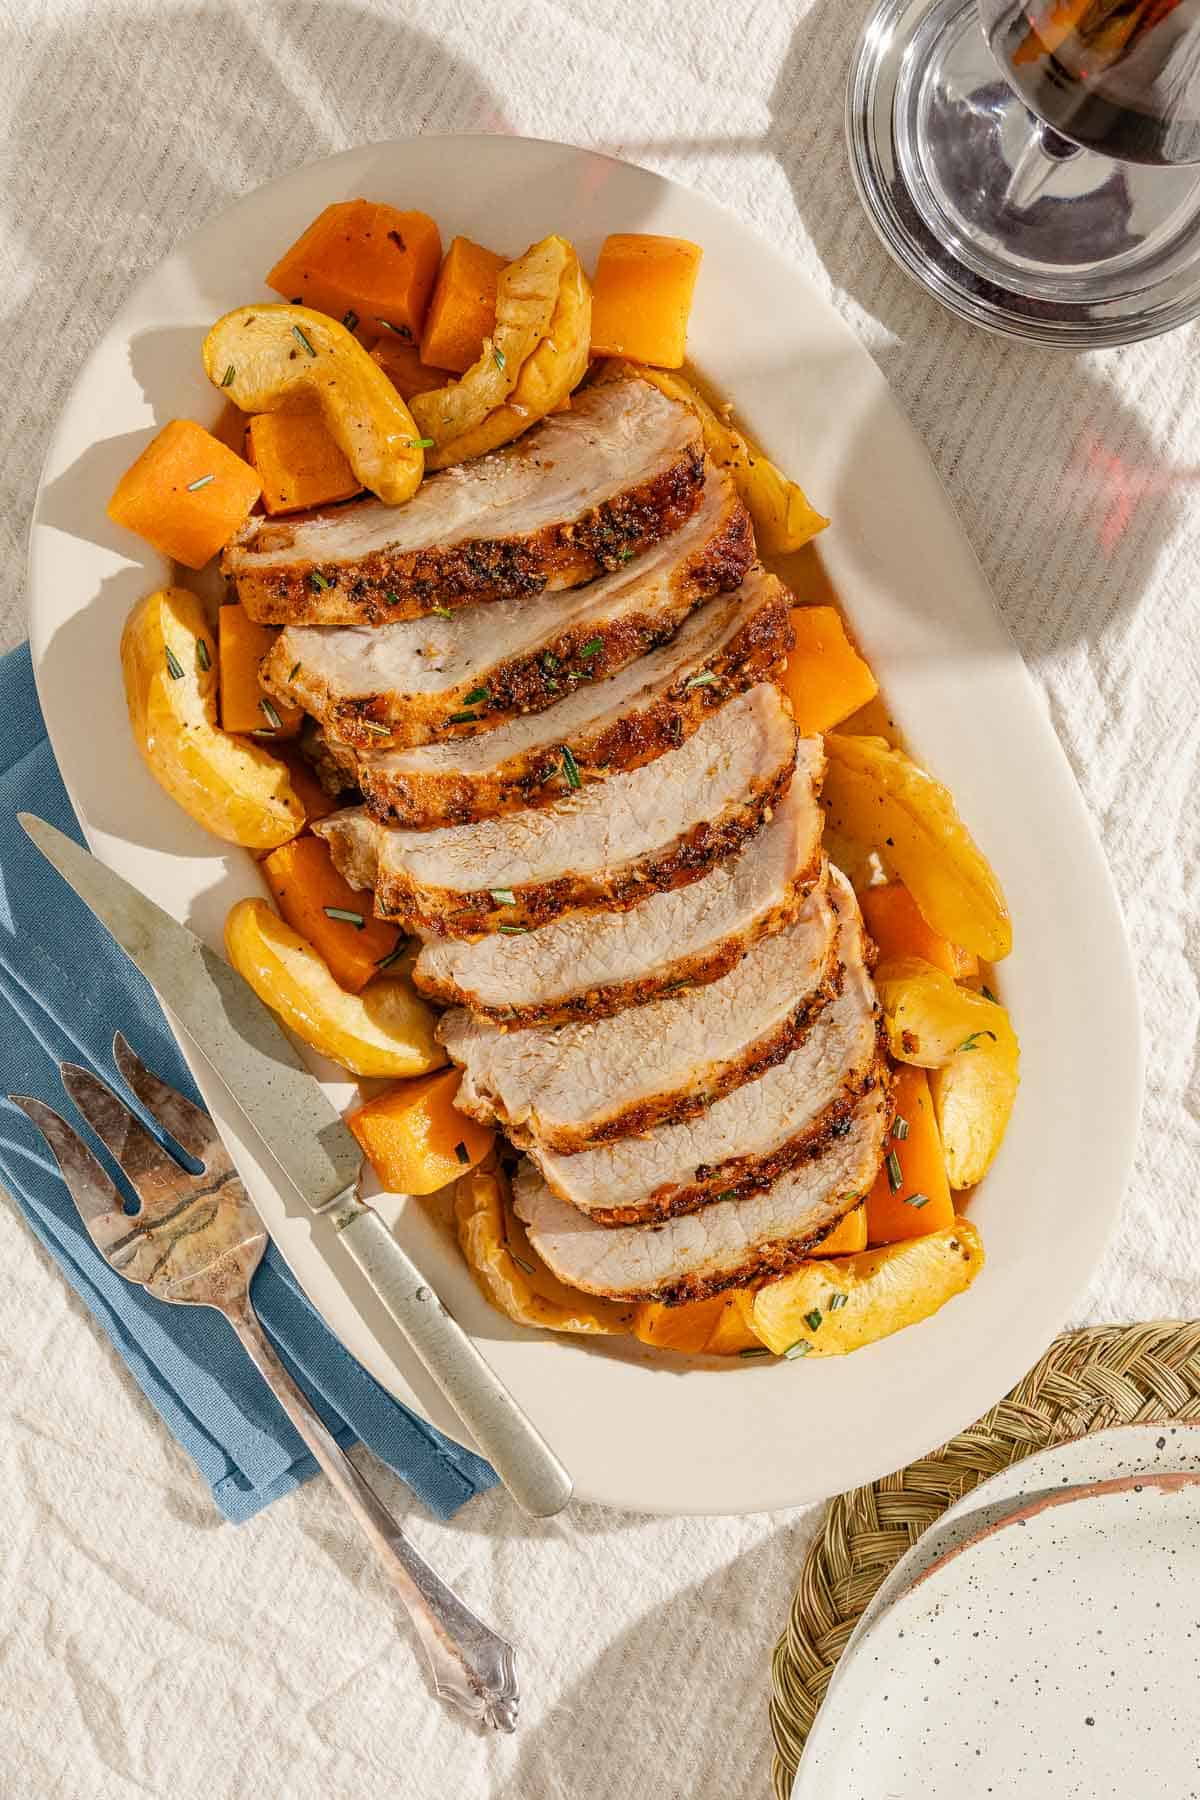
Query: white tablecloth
[{"x": 146, "y": 1647}]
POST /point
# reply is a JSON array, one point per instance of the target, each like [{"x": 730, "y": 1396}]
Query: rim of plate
[
  {"x": 794, "y": 1457},
  {"x": 1163, "y": 1484}
]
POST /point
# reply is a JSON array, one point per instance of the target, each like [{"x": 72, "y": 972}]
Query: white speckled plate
[{"x": 1042, "y": 1639}]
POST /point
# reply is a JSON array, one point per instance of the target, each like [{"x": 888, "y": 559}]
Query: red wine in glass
[{"x": 1122, "y": 78}]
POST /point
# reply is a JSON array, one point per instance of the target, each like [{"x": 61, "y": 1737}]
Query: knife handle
[{"x": 510, "y": 1441}]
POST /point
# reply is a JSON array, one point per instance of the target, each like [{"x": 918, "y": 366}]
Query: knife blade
[{"x": 245, "y": 1045}]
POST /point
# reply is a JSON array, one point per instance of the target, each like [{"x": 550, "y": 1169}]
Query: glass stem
[{"x": 1042, "y": 155}]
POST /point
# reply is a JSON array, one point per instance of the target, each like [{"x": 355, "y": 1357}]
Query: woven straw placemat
[{"x": 1087, "y": 1381}]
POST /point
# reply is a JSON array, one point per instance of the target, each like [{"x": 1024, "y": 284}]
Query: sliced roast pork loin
[
  {"x": 424, "y": 679},
  {"x": 574, "y": 1085},
  {"x": 589, "y": 965},
  {"x": 653, "y": 706},
  {"x": 723, "y": 1245},
  {"x": 605, "y": 847},
  {"x": 746, "y": 1141},
  {"x": 577, "y": 494}
]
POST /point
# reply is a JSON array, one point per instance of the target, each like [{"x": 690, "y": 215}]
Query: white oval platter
[{"x": 638, "y": 1429}]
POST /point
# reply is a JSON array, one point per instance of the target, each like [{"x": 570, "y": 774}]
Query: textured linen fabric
[
  {"x": 64, "y": 989},
  {"x": 148, "y": 1651}
]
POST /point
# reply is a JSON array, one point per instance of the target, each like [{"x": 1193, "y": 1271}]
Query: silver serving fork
[{"x": 196, "y": 1240}]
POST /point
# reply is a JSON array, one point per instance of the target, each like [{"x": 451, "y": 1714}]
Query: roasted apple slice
[{"x": 231, "y": 786}]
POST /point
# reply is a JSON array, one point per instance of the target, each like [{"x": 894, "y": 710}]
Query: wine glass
[{"x": 1036, "y": 163}]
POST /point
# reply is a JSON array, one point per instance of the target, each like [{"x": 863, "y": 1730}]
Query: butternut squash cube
[
  {"x": 713, "y": 1327},
  {"x": 847, "y": 1236},
  {"x": 298, "y": 462},
  {"x": 642, "y": 296},
  {"x": 462, "y": 311},
  {"x": 245, "y": 704},
  {"x": 334, "y": 917},
  {"x": 894, "y": 921},
  {"x": 402, "y": 365},
  {"x": 911, "y": 1195},
  {"x": 366, "y": 264},
  {"x": 186, "y": 494},
  {"x": 826, "y": 679},
  {"x": 414, "y": 1136}
]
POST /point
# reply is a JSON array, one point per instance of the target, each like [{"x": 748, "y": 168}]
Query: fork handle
[{"x": 472, "y": 1666}]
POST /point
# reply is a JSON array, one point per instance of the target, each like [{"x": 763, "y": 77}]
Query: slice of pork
[
  {"x": 588, "y": 965},
  {"x": 605, "y": 847},
  {"x": 652, "y": 706},
  {"x": 723, "y": 1245},
  {"x": 579, "y": 493},
  {"x": 405, "y": 683},
  {"x": 576, "y": 1085},
  {"x": 743, "y": 1143}
]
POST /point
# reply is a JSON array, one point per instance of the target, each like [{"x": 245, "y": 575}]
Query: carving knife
[{"x": 286, "y": 1105}]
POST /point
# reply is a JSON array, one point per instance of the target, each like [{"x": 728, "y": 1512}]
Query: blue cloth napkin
[{"x": 64, "y": 989}]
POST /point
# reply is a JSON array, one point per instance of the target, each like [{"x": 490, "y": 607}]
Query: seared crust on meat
[
  {"x": 387, "y": 585},
  {"x": 451, "y": 912},
  {"x": 531, "y": 679},
  {"x": 694, "y": 970},
  {"x": 431, "y": 791},
  {"x": 745, "y": 1175},
  {"x": 664, "y": 1108},
  {"x": 728, "y": 1244}
]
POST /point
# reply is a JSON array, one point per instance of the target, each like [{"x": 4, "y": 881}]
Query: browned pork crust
[
  {"x": 387, "y": 585},
  {"x": 422, "y": 799},
  {"x": 670, "y": 1108}
]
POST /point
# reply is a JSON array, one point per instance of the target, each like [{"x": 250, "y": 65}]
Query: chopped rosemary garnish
[
  {"x": 800, "y": 1348},
  {"x": 570, "y": 768},
  {"x": 420, "y": 443},
  {"x": 463, "y": 718},
  {"x": 346, "y": 916},
  {"x": 900, "y": 1127},
  {"x": 624, "y": 555},
  {"x": 515, "y": 930},
  {"x": 350, "y": 320},
  {"x": 835, "y": 1302},
  {"x": 393, "y": 956},
  {"x": 462, "y": 1153},
  {"x": 593, "y": 647},
  {"x": 392, "y": 598},
  {"x": 969, "y": 1043},
  {"x": 200, "y": 481},
  {"x": 302, "y": 340},
  {"x": 228, "y": 378},
  {"x": 503, "y": 896},
  {"x": 203, "y": 659},
  {"x": 269, "y": 714},
  {"x": 549, "y": 661},
  {"x": 293, "y": 671},
  {"x": 755, "y": 1350},
  {"x": 174, "y": 666},
  {"x": 521, "y": 1263},
  {"x": 497, "y": 357},
  {"x": 705, "y": 680},
  {"x": 987, "y": 993},
  {"x": 442, "y": 612},
  {"x": 728, "y": 1194},
  {"x": 813, "y": 1320},
  {"x": 917, "y": 1200},
  {"x": 401, "y": 331},
  {"x": 318, "y": 581},
  {"x": 891, "y": 1163},
  {"x": 475, "y": 696}
]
